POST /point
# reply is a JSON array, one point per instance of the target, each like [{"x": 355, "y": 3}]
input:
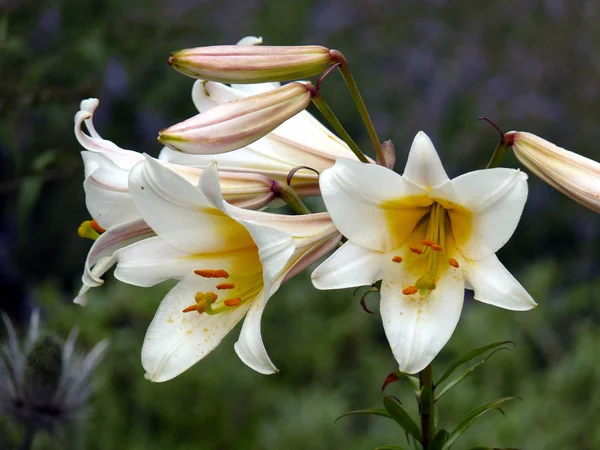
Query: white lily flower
[
  {"x": 574, "y": 175},
  {"x": 229, "y": 262},
  {"x": 427, "y": 238},
  {"x": 109, "y": 202}
]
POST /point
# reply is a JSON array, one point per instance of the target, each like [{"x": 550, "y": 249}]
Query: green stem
[
  {"x": 360, "y": 105},
  {"x": 498, "y": 154},
  {"x": 289, "y": 195},
  {"x": 426, "y": 405},
  {"x": 28, "y": 438},
  {"x": 327, "y": 112}
]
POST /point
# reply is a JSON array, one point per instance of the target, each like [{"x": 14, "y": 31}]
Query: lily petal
[
  {"x": 176, "y": 341},
  {"x": 418, "y": 326},
  {"x": 492, "y": 202},
  {"x": 275, "y": 247},
  {"x": 250, "y": 347},
  {"x": 106, "y": 193},
  {"x": 360, "y": 198},
  {"x": 495, "y": 285},
  {"x": 350, "y": 266},
  {"x": 160, "y": 195},
  {"x": 423, "y": 166},
  {"x": 153, "y": 261}
]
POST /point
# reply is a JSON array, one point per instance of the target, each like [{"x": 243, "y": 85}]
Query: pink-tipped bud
[
  {"x": 252, "y": 64},
  {"x": 234, "y": 125},
  {"x": 574, "y": 175}
]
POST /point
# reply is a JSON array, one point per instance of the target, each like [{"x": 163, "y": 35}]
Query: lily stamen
[
  {"x": 410, "y": 290},
  {"x": 397, "y": 259},
  {"x": 225, "y": 286},
  {"x": 453, "y": 262},
  {"x": 232, "y": 301},
  {"x": 427, "y": 242},
  {"x": 416, "y": 250},
  {"x": 209, "y": 273}
]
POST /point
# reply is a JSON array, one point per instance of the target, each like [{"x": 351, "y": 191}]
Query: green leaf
[
  {"x": 472, "y": 416},
  {"x": 466, "y": 373},
  {"x": 438, "y": 441},
  {"x": 393, "y": 406},
  {"x": 468, "y": 357},
  {"x": 390, "y": 447},
  {"x": 425, "y": 400},
  {"x": 372, "y": 411}
]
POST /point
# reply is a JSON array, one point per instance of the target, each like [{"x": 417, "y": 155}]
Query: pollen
[
  {"x": 427, "y": 242},
  {"x": 416, "y": 250},
  {"x": 208, "y": 273},
  {"x": 97, "y": 227},
  {"x": 232, "y": 301},
  {"x": 225, "y": 286},
  {"x": 410, "y": 290},
  {"x": 397, "y": 259},
  {"x": 436, "y": 248},
  {"x": 453, "y": 263}
]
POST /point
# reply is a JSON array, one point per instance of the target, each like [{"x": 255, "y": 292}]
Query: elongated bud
[
  {"x": 574, "y": 175},
  {"x": 252, "y": 64},
  {"x": 238, "y": 123}
]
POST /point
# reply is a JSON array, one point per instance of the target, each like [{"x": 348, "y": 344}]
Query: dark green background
[{"x": 433, "y": 65}]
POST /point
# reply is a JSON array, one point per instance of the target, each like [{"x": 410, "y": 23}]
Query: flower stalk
[
  {"x": 360, "y": 104},
  {"x": 289, "y": 195},
  {"x": 328, "y": 113},
  {"x": 426, "y": 405}
]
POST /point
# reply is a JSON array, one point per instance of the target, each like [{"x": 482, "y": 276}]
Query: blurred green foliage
[{"x": 432, "y": 65}]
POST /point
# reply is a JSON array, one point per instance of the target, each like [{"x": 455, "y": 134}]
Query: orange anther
[
  {"x": 97, "y": 227},
  {"x": 190, "y": 308},
  {"x": 416, "y": 250},
  {"x": 453, "y": 263},
  {"x": 225, "y": 286},
  {"x": 436, "y": 248},
  {"x": 397, "y": 259},
  {"x": 410, "y": 290},
  {"x": 232, "y": 301},
  {"x": 219, "y": 273},
  {"x": 427, "y": 242}
]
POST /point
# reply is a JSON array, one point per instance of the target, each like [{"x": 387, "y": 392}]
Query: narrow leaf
[
  {"x": 372, "y": 411},
  {"x": 425, "y": 400},
  {"x": 439, "y": 440},
  {"x": 393, "y": 406},
  {"x": 466, "y": 373},
  {"x": 471, "y": 417},
  {"x": 468, "y": 357}
]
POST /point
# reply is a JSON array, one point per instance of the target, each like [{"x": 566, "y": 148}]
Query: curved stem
[
  {"x": 426, "y": 405},
  {"x": 360, "y": 105},
  {"x": 324, "y": 108},
  {"x": 289, "y": 195}
]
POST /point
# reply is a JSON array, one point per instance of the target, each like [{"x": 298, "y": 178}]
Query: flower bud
[
  {"x": 252, "y": 64},
  {"x": 574, "y": 175},
  {"x": 238, "y": 123}
]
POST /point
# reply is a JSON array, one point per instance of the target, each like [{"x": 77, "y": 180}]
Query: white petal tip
[
  {"x": 81, "y": 300},
  {"x": 89, "y": 105}
]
